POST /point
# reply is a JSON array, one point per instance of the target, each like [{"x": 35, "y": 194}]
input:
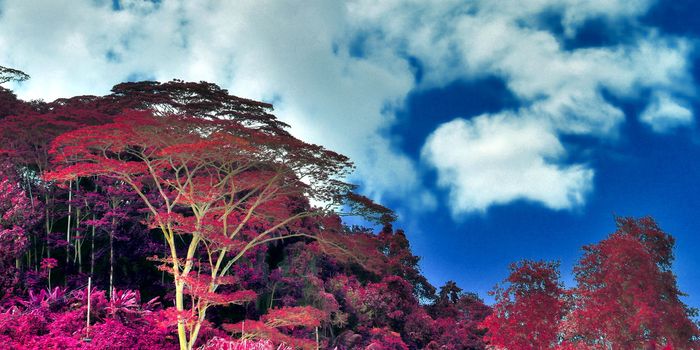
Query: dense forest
[{"x": 175, "y": 215}]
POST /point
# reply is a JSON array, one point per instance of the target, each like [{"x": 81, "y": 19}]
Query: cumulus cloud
[
  {"x": 338, "y": 71},
  {"x": 666, "y": 113},
  {"x": 497, "y": 159},
  {"x": 485, "y": 38},
  {"x": 562, "y": 90},
  {"x": 297, "y": 57}
]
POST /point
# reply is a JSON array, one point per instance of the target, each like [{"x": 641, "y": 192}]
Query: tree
[
  {"x": 221, "y": 181},
  {"x": 9, "y": 103},
  {"x": 458, "y": 316},
  {"x": 10, "y": 74},
  {"x": 627, "y": 295},
  {"x": 402, "y": 262},
  {"x": 528, "y": 310},
  {"x": 26, "y": 133},
  {"x": 112, "y": 218},
  {"x": 17, "y": 218}
]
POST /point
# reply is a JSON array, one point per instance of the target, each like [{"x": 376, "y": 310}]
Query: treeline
[
  {"x": 198, "y": 201},
  {"x": 187, "y": 210}
]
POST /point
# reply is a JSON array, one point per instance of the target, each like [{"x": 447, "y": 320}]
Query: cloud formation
[
  {"x": 338, "y": 72},
  {"x": 496, "y": 159},
  {"x": 297, "y": 57},
  {"x": 665, "y": 113}
]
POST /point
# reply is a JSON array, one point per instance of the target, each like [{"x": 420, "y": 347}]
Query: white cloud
[
  {"x": 666, "y": 113},
  {"x": 295, "y": 56},
  {"x": 497, "y": 159},
  {"x": 562, "y": 91},
  {"x": 301, "y": 58},
  {"x": 486, "y": 38}
]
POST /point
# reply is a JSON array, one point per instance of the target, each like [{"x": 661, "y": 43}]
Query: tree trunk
[
  {"x": 78, "y": 251},
  {"x": 111, "y": 259},
  {"x": 92, "y": 249},
  {"x": 70, "y": 209},
  {"x": 180, "y": 307}
]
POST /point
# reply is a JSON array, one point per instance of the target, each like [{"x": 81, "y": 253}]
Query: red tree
[
  {"x": 627, "y": 296},
  {"x": 528, "y": 310},
  {"x": 222, "y": 181},
  {"x": 400, "y": 261},
  {"x": 17, "y": 218},
  {"x": 25, "y": 137},
  {"x": 458, "y": 316}
]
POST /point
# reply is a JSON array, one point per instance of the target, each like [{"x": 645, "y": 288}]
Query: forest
[{"x": 178, "y": 216}]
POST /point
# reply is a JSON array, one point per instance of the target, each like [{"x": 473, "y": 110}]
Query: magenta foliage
[
  {"x": 55, "y": 319},
  {"x": 17, "y": 217},
  {"x": 217, "y": 343},
  {"x": 367, "y": 293}
]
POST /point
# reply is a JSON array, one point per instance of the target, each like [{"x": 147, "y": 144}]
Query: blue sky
[{"x": 497, "y": 130}]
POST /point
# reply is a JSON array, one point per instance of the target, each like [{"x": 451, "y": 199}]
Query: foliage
[
  {"x": 217, "y": 343},
  {"x": 529, "y": 309},
  {"x": 626, "y": 298},
  {"x": 18, "y": 217},
  {"x": 10, "y": 74},
  {"x": 205, "y": 205},
  {"x": 56, "y": 319},
  {"x": 227, "y": 184},
  {"x": 627, "y": 295}
]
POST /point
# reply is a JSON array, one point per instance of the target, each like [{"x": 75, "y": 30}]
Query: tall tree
[
  {"x": 18, "y": 217},
  {"x": 627, "y": 295},
  {"x": 402, "y": 262},
  {"x": 221, "y": 181},
  {"x": 528, "y": 310}
]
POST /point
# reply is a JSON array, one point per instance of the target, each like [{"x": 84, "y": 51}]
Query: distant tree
[
  {"x": 11, "y": 105},
  {"x": 528, "y": 310},
  {"x": 458, "y": 316},
  {"x": 627, "y": 297},
  {"x": 447, "y": 298},
  {"x": 9, "y": 74},
  {"x": 400, "y": 261}
]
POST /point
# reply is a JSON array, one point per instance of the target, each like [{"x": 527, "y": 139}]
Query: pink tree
[
  {"x": 17, "y": 218},
  {"x": 528, "y": 311},
  {"x": 221, "y": 186},
  {"x": 627, "y": 295}
]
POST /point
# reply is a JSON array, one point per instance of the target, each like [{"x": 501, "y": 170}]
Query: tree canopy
[{"x": 201, "y": 222}]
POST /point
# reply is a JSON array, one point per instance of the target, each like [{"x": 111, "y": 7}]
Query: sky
[{"x": 497, "y": 130}]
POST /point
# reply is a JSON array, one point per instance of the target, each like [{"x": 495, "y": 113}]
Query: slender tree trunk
[
  {"x": 89, "y": 290},
  {"x": 162, "y": 273},
  {"x": 70, "y": 210},
  {"x": 33, "y": 239},
  {"x": 48, "y": 228},
  {"x": 180, "y": 307},
  {"x": 78, "y": 251},
  {"x": 92, "y": 249},
  {"x": 29, "y": 253},
  {"x": 111, "y": 259},
  {"x": 29, "y": 189},
  {"x": 197, "y": 327}
]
